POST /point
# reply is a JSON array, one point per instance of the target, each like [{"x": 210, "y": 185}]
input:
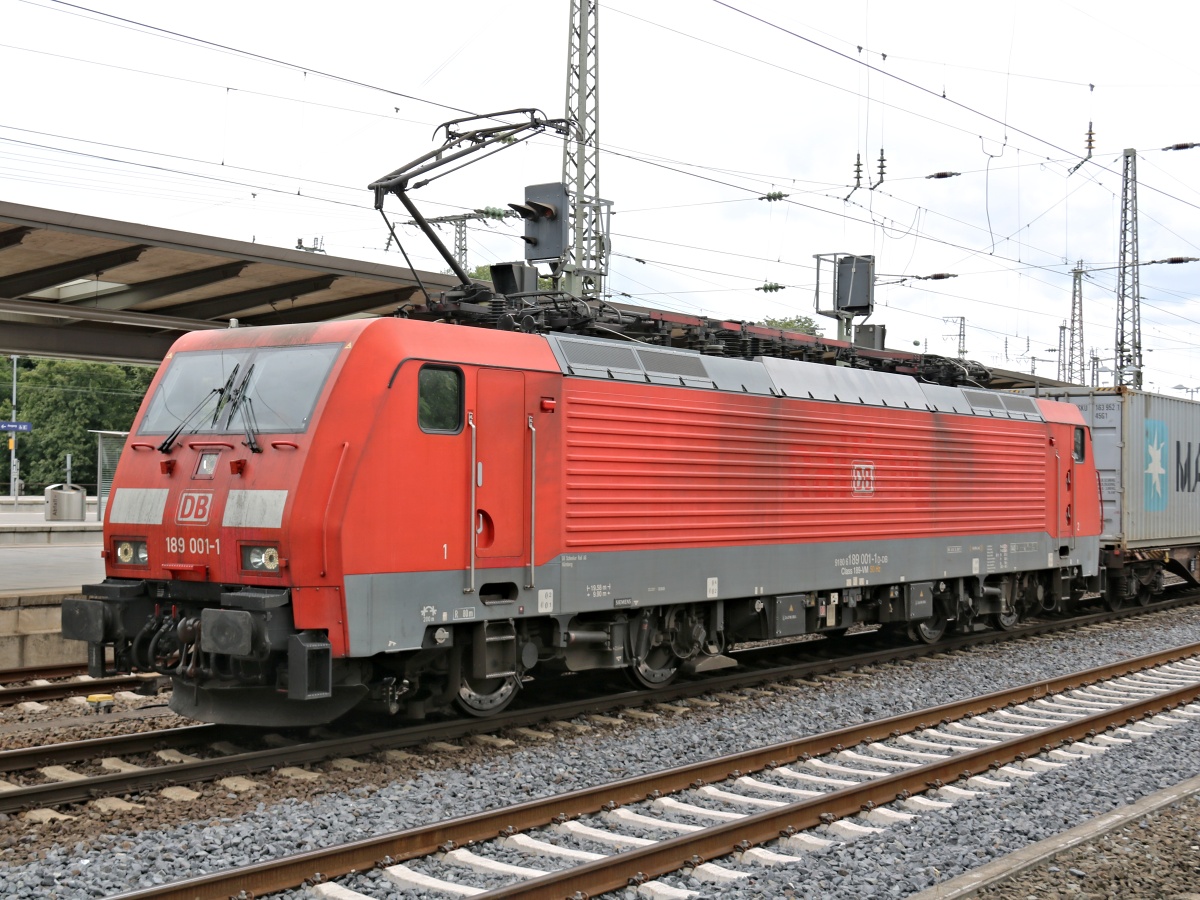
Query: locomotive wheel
[
  {"x": 1006, "y": 621},
  {"x": 485, "y": 697},
  {"x": 1113, "y": 599},
  {"x": 658, "y": 669},
  {"x": 928, "y": 631}
]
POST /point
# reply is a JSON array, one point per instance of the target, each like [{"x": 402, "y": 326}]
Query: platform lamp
[
  {"x": 1124, "y": 372},
  {"x": 1191, "y": 391}
]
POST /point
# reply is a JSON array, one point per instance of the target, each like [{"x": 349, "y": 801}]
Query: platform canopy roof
[
  {"x": 1011, "y": 380},
  {"x": 89, "y": 288}
]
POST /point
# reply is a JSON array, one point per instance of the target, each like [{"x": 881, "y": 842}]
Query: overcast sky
[{"x": 705, "y": 107}]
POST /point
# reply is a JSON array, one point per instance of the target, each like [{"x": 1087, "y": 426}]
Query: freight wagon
[{"x": 1148, "y": 459}]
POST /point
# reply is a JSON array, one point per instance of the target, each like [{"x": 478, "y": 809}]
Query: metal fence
[{"x": 109, "y": 445}]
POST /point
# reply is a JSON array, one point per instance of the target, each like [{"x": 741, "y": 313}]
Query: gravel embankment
[
  {"x": 1156, "y": 856},
  {"x": 96, "y": 855}
]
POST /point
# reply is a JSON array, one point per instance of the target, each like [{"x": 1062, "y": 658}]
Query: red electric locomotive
[{"x": 416, "y": 515}]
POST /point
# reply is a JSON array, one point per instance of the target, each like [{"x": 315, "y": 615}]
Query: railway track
[
  {"x": 850, "y": 781},
  {"x": 39, "y": 777},
  {"x": 39, "y": 690},
  {"x": 35, "y": 673},
  {"x": 42, "y": 683}
]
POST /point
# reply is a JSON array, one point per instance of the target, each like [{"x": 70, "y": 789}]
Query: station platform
[
  {"x": 25, "y": 524},
  {"x": 41, "y": 563}
]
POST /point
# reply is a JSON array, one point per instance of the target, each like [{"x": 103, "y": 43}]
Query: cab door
[{"x": 501, "y": 465}]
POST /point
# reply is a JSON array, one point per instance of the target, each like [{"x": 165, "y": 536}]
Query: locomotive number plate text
[{"x": 193, "y": 545}]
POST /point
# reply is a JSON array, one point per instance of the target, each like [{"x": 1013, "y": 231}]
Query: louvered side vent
[
  {"x": 682, "y": 364},
  {"x": 1022, "y": 405},
  {"x": 599, "y": 356},
  {"x": 984, "y": 400}
]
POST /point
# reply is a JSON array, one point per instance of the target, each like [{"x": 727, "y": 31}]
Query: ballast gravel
[
  {"x": 116, "y": 856},
  {"x": 1155, "y": 856}
]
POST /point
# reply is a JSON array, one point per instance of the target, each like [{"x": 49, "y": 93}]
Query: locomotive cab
[
  {"x": 201, "y": 525},
  {"x": 309, "y": 517}
]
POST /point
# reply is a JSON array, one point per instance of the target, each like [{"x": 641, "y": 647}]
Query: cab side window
[
  {"x": 1080, "y": 443},
  {"x": 440, "y": 399}
]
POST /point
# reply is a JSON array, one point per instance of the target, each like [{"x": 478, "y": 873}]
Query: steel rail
[
  {"x": 60, "y": 690},
  {"x": 892, "y": 653},
  {"x": 641, "y": 864},
  {"x": 22, "y": 758},
  {"x": 29, "y": 673},
  {"x": 319, "y": 865},
  {"x": 53, "y": 794}
]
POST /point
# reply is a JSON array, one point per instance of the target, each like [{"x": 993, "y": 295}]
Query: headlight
[
  {"x": 132, "y": 553},
  {"x": 261, "y": 559}
]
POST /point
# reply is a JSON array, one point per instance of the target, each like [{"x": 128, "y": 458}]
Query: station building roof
[{"x": 89, "y": 288}]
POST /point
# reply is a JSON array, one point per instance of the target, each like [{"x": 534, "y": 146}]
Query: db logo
[
  {"x": 863, "y": 476},
  {"x": 194, "y": 507}
]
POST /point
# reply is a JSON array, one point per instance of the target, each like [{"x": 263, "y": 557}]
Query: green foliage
[
  {"x": 63, "y": 399},
  {"x": 482, "y": 273},
  {"x": 794, "y": 323}
]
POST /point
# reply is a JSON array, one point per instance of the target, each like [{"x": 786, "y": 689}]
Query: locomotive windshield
[{"x": 281, "y": 384}]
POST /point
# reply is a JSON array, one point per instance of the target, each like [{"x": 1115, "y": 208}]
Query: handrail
[
  {"x": 328, "y": 508},
  {"x": 532, "y": 500},
  {"x": 471, "y": 534}
]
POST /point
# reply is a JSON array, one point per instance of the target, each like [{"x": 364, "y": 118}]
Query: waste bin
[{"x": 65, "y": 503}]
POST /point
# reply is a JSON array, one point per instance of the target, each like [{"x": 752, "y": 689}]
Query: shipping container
[{"x": 1147, "y": 450}]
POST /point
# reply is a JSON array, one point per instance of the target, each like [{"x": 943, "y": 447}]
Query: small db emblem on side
[
  {"x": 194, "y": 507},
  {"x": 863, "y": 477}
]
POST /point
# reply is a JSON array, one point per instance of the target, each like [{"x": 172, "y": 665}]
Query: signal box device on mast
[{"x": 852, "y": 294}]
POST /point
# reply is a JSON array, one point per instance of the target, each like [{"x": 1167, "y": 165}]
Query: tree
[
  {"x": 64, "y": 399},
  {"x": 483, "y": 273},
  {"x": 805, "y": 324}
]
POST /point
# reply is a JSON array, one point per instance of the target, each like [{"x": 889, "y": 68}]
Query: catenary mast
[
  {"x": 1129, "y": 302},
  {"x": 585, "y": 261}
]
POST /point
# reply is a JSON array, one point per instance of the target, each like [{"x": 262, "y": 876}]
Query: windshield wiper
[
  {"x": 241, "y": 402},
  {"x": 221, "y": 392},
  {"x": 226, "y": 397},
  {"x": 248, "y": 420}
]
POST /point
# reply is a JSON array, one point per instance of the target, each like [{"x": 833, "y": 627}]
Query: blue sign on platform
[{"x": 16, "y": 426}]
